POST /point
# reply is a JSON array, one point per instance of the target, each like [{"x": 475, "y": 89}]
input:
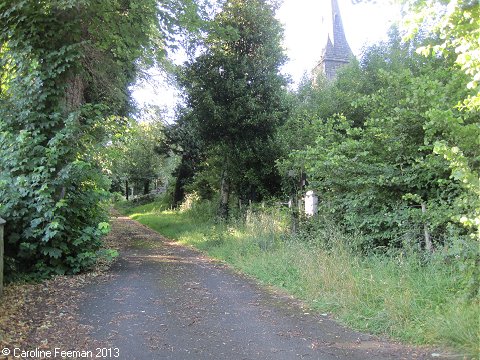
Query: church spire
[
  {"x": 336, "y": 52},
  {"x": 338, "y": 32}
]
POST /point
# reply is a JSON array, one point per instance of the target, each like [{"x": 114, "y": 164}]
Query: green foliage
[
  {"x": 457, "y": 23},
  {"x": 377, "y": 147},
  {"x": 182, "y": 140},
  {"x": 46, "y": 186},
  {"x": 133, "y": 159},
  {"x": 235, "y": 97},
  {"x": 65, "y": 69},
  {"x": 107, "y": 255}
]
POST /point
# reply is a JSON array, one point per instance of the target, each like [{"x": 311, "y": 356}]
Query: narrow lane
[{"x": 164, "y": 301}]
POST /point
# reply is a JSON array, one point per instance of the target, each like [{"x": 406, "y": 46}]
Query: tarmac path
[{"x": 165, "y": 301}]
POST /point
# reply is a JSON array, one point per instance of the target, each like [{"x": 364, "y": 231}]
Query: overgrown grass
[{"x": 400, "y": 296}]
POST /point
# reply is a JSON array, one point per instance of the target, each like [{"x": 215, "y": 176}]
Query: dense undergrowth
[{"x": 399, "y": 294}]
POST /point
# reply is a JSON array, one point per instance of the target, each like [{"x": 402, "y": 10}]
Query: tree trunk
[
  {"x": 126, "y": 189},
  {"x": 184, "y": 175},
  {"x": 294, "y": 210},
  {"x": 428, "y": 241},
  {"x": 74, "y": 93},
  {"x": 224, "y": 196},
  {"x": 295, "y": 184},
  {"x": 146, "y": 187}
]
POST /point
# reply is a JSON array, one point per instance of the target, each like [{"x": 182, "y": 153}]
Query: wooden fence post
[
  {"x": 428, "y": 241},
  {"x": 2, "y": 223}
]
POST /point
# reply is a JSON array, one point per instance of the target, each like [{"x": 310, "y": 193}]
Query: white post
[{"x": 311, "y": 203}]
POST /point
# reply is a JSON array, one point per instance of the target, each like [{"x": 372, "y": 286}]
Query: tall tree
[
  {"x": 66, "y": 67},
  {"x": 457, "y": 23},
  {"x": 370, "y": 143},
  {"x": 237, "y": 96}
]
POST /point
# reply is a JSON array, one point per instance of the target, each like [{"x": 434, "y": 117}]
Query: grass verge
[{"x": 401, "y": 297}]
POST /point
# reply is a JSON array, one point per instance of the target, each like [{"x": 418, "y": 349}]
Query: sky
[{"x": 305, "y": 37}]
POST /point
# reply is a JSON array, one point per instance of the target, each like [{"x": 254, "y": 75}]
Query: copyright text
[{"x": 37, "y": 353}]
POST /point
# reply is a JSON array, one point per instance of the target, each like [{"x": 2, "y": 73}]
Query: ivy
[{"x": 65, "y": 69}]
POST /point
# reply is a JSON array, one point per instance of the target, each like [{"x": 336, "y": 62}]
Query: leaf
[{"x": 52, "y": 252}]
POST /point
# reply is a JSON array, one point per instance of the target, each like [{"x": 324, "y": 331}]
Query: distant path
[{"x": 165, "y": 301}]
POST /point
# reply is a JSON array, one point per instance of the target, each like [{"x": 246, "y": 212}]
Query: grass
[{"x": 401, "y": 297}]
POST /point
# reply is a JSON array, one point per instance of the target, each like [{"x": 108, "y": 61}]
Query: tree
[
  {"x": 371, "y": 156},
  {"x": 182, "y": 139},
  {"x": 132, "y": 160},
  {"x": 66, "y": 67},
  {"x": 457, "y": 24},
  {"x": 236, "y": 96}
]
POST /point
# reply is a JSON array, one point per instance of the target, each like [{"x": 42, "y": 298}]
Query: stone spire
[{"x": 337, "y": 52}]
